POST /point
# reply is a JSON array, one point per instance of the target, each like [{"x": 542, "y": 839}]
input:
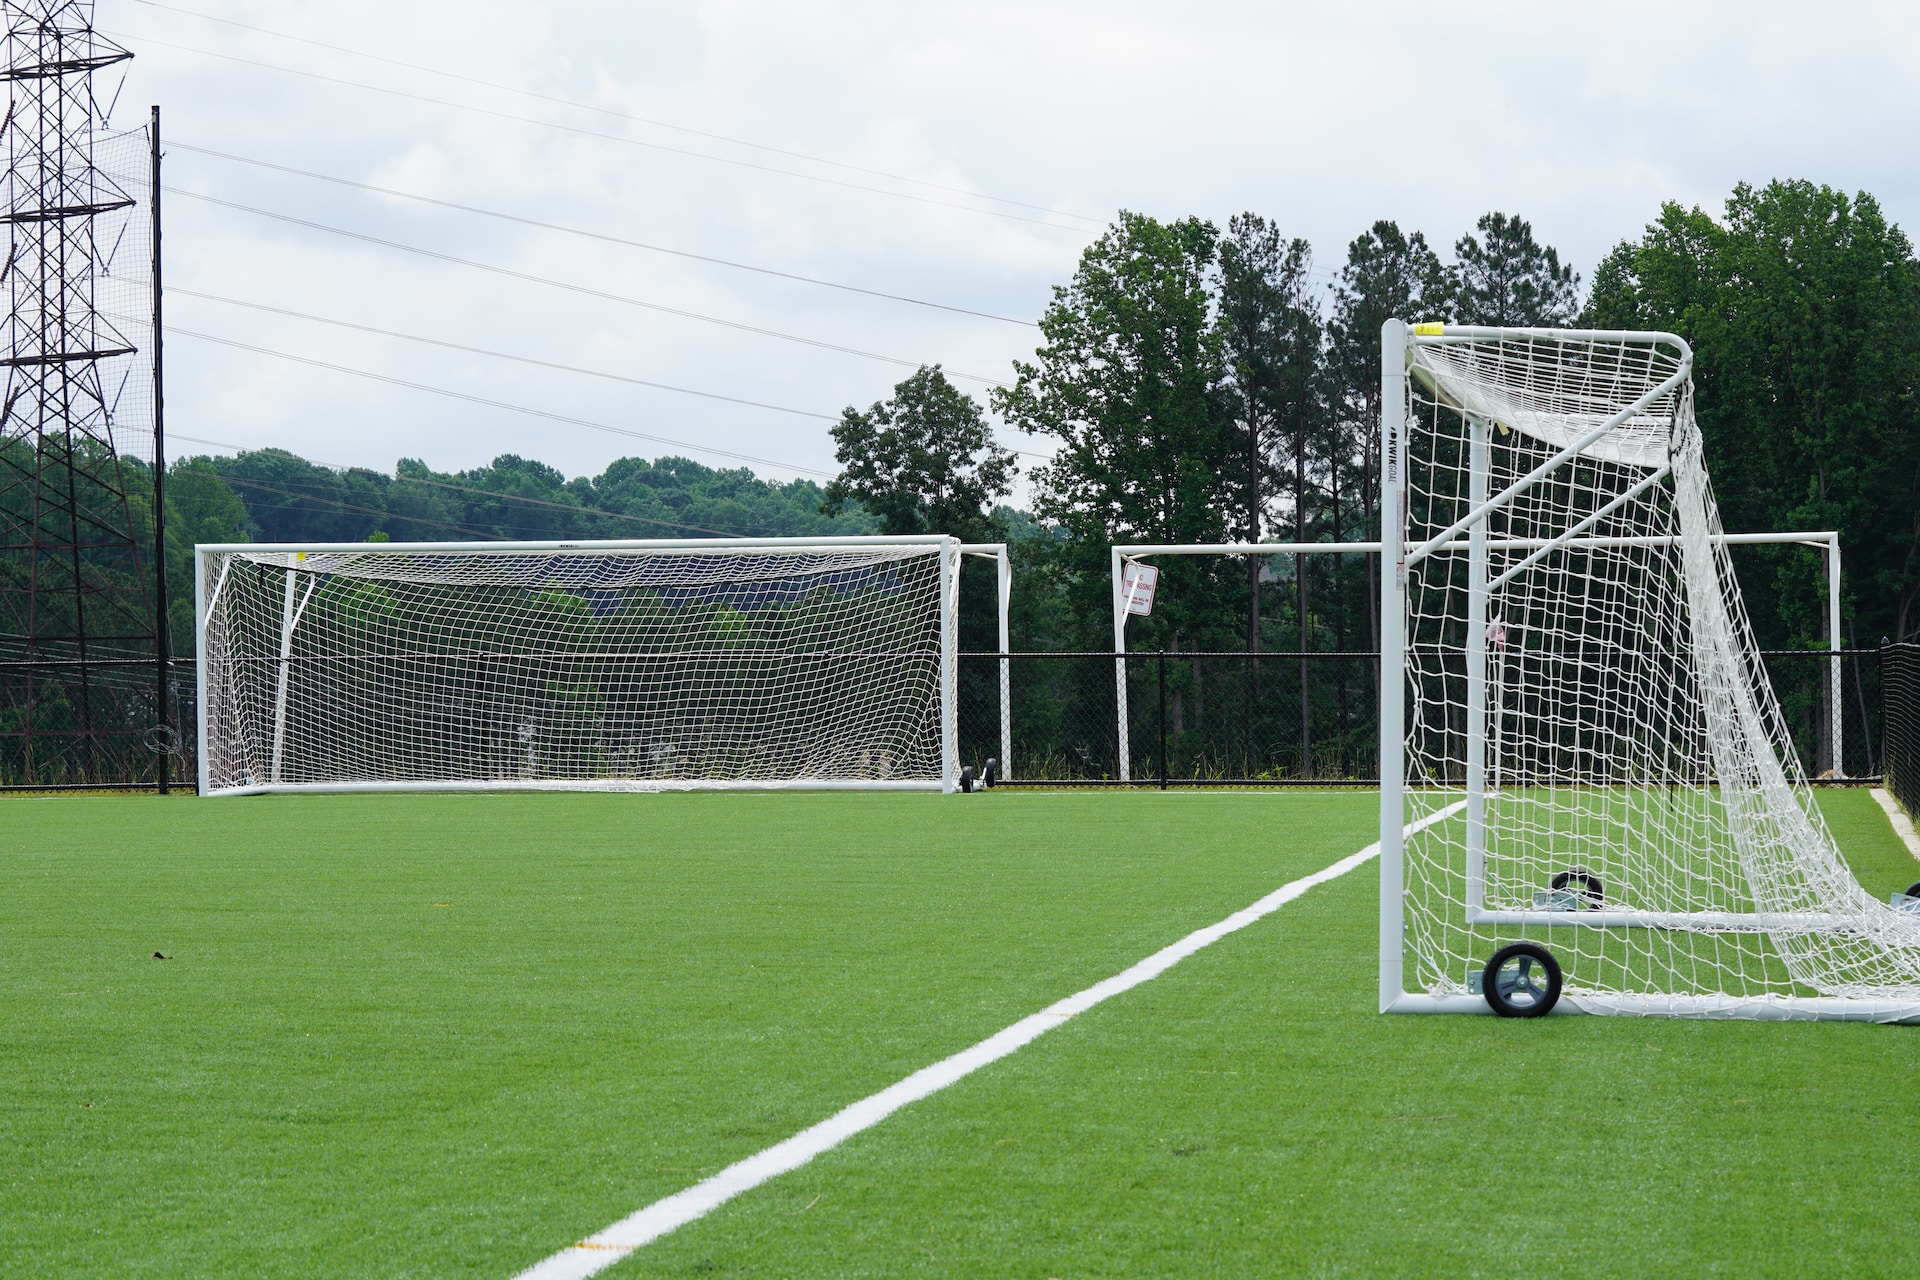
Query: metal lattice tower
[{"x": 78, "y": 637}]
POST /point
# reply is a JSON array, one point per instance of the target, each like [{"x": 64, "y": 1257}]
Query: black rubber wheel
[
  {"x": 1522, "y": 980},
  {"x": 1913, "y": 890},
  {"x": 1582, "y": 882},
  {"x": 966, "y": 778},
  {"x": 990, "y": 774}
]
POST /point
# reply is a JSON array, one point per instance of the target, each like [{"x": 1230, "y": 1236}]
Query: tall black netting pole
[{"x": 162, "y": 637}]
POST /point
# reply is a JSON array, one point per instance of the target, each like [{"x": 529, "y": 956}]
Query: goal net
[
  {"x": 1580, "y": 747},
  {"x": 594, "y": 665}
]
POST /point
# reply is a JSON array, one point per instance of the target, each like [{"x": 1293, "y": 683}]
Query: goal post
[
  {"x": 590, "y": 665},
  {"x": 1003, "y": 599},
  {"x": 1125, "y": 554},
  {"x": 1827, "y": 542},
  {"x": 1582, "y": 758}
]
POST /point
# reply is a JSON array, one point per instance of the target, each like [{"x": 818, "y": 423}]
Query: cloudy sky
[{"x": 959, "y": 155}]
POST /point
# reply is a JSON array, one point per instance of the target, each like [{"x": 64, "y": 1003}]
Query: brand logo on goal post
[{"x": 1137, "y": 582}]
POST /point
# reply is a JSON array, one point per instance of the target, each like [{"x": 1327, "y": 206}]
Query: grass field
[{"x": 445, "y": 1035}]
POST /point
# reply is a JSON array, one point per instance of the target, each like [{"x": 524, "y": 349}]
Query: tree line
[
  {"x": 1199, "y": 387},
  {"x": 1201, "y": 384},
  {"x": 271, "y": 495}
]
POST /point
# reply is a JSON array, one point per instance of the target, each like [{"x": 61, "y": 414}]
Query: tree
[
  {"x": 1504, "y": 278},
  {"x": 291, "y": 500},
  {"x": 688, "y": 499},
  {"x": 1129, "y": 382},
  {"x": 1388, "y": 275},
  {"x": 1265, "y": 326},
  {"x": 519, "y": 498},
  {"x": 1273, "y": 339},
  {"x": 923, "y": 462},
  {"x": 1803, "y": 309},
  {"x": 200, "y": 508}
]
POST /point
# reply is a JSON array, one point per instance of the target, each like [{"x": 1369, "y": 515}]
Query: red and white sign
[{"x": 1137, "y": 582}]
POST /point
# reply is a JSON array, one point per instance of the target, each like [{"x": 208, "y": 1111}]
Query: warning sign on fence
[{"x": 1137, "y": 582}]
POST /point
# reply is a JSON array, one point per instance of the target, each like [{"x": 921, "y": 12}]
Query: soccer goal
[
  {"x": 1135, "y": 581},
  {"x": 1133, "y": 586},
  {"x": 826, "y": 663},
  {"x": 1588, "y": 792}
]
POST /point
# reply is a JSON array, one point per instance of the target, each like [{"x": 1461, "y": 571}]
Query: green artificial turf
[
  {"x": 1640, "y": 845},
  {"x": 1878, "y": 859},
  {"x": 1249, "y": 1114},
  {"x": 443, "y": 1035}
]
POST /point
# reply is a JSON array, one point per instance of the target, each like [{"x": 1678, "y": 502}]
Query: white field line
[
  {"x": 1902, "y": 824},
  {"x": 604, "y": 1248}
]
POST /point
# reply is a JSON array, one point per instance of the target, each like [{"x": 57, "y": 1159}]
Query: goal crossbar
[
  {"x": 1507, "y": 495},
  {"x": 593, "y": 546}
]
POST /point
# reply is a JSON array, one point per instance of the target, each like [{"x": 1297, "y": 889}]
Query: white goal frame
[
  {"x": 1828, "y": 542},
  {"x": 950, "y": 551},
  {"x": 1397, "y": 558}
]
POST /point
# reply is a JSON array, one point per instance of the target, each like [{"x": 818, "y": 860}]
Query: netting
[
  {"x": 626, "y": 668},
  {"x": 1900, "y": 721},
  {"x": 123, "y": 290},
  {"x": 88, "y": 288},
  {"x": 1581, "y": 672}
]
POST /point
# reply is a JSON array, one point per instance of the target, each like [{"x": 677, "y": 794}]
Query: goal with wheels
[
  {"x": 582, "y": 665},
  {"x": 1582, "y": 760}
]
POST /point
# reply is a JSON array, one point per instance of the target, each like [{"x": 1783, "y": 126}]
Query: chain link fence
[
  {"x": 1277, "y": 719},
  {"x": 1900, "y": 702},
  {"x": 1192, "y": 718},
  {"x": 1803, "y": 680},
  {"x": 93, "y": 724},
  {"x": 1211, "y": 718}
]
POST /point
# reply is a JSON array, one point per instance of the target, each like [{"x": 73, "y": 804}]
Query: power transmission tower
[{"x": 79, "y": 704}]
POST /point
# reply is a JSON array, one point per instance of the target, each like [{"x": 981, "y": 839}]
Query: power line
[
  {"x": 505, "y": 355},
  {"x": 598, "y": 235},
  {"x": 592, "y": 133},
  {"x": 395, "y": 516},
  {"x": 349, "y": 506},
  {"x": 618, "y": 114},
  {"x": 497, "y": 404},
  {"x": 497, "y": 355},
  {"x": 461, "y": 488},
  {"x": 562, "y": 506},
  {"x": 562, "y": 284}
]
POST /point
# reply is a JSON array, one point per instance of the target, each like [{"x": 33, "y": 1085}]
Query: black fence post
[
  {"x": 1251, "y": 681},
  {"x": 1163, "y": 719}
]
